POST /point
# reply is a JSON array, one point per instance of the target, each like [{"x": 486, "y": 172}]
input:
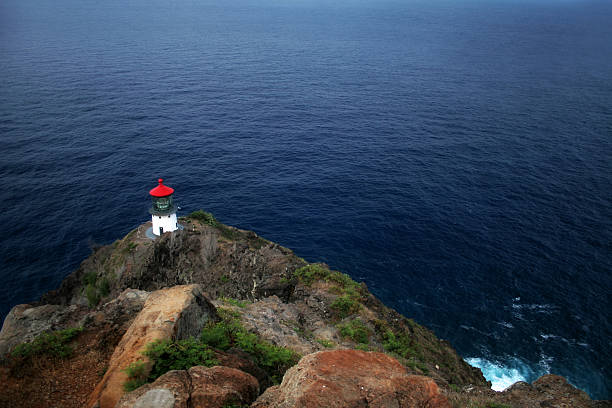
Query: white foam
[{"x": 501, "y": 377}]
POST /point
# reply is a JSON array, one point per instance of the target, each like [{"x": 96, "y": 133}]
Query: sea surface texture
[{"x": 454, "y": 155}]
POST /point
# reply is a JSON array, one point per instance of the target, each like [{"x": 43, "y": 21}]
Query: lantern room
[{"x": 163, "y": 209}]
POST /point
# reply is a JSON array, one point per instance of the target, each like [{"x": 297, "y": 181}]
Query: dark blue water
[{"x": 455, "y": 156}]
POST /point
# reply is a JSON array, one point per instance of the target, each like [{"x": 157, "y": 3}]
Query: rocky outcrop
[
  {"x": 225, "y": 260},
  {"x": 175, "y": 313},
  {"x": 137, "y": 290},
  {"x": 25, "y": 322},
  {"x": 551, "y": 391},
  {"x": 351, "y": 378},
  {"x": 198, "y": 387}
]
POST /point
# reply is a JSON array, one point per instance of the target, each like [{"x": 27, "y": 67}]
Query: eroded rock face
[
  {"x": 25, "y": 322},
  {"x": 351, "y": 378},
  {"x": 198, "y": 387},
  {"x": 551, "y": 391},
  {"x": 174, "y": 313}
]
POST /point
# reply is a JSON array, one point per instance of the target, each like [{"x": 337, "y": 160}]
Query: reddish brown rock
[
  {"x": 217, "y": 387},
  {"x": 198, "y": 387},
  {"x": 351, "y": 378}
]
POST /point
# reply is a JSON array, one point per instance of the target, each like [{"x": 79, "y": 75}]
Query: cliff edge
[{"x": 253, "y": 310}]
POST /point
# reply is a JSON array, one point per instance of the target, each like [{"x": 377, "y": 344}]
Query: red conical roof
[{"x": 161, "y": 190}]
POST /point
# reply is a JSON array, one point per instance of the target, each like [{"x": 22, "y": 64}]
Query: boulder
[
  {"x": 351, "y": 378},
  {"x": 176, "y": 313},
  {"x": 551, "y": 391},
  {"x": 198, "y": 387},
  {"x": 217, "y": 387},
  {"x": 171, "y": 390}
]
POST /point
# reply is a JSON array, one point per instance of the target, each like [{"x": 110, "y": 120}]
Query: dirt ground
[{"x": 54, "y": 383}]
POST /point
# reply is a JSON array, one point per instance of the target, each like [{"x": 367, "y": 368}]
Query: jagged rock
[
  {"x": 241, "y": 266},
  {"x": 198, "y": 387},
  {"x": 550, "y": 391},
  {"x": 175, "y": 313},
  {"x": 25, "y": 322},
  {"x": 351, "y": 378},
  {"x": 277, "y": 322}
]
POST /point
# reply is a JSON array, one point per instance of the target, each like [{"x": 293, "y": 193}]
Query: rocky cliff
[{"x": 213, "y": 316}]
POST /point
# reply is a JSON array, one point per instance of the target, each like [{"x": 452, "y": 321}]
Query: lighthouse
[{"x": 163, "y": 211}]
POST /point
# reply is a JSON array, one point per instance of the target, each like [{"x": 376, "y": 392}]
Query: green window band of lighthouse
[{"x": 163, "y": 205}]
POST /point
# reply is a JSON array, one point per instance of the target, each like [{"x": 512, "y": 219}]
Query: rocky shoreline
[{"x": 272, "y": 308}]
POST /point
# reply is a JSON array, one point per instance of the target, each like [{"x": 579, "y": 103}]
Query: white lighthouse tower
[{"x": 163, "y": 211}]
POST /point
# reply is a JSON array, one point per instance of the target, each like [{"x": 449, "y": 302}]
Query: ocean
[{"x": 454, "y": 156}]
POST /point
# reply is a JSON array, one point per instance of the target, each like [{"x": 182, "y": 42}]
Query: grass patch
[
  {"x": 326, "y": 343},
  {"x": 204, "y": 217},
  {"x": 310, "y": 273},
  {"x": 356, "y": 331},
  {"x": 228, "y": 232},
  {"x": 95, "y": 289},
  {"x": 225, "y": 279},
  {"x": 91, "y": 292},
  {"x": 53, "y": 344},
  {"x": 350, "y": 292},
  {"x": 229, "y": 332},
  {"x": 399, "y": 344},
  {"x": 104, "y": 286},
  {"x": 235, "y": 302},
  {"x": 345, "y": 306},
  {"x": 89, "y": 278}
]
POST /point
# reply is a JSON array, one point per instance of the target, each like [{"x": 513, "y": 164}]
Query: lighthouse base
[
  {"x": 149, "y": 232},
  {"x": 164, "y": 223}
]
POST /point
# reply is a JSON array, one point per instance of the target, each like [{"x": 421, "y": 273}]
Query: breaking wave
[{"x": 503, "y": 375}]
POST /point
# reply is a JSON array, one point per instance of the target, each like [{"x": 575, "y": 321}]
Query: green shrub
[
  {"x": 91, "y": 292},
  {"x": 345, "y": 306},
  {"x": 310, "y": 273},
  {"x": 229, "y": 332},
  {"x": 204, "y": 217},
  {"x": 169, "y": 355},
  {"x": 137, "y": 375},
  {"x": 229, "y": 232},
  {"x": 326, "y": 343},
  {"x": 104, "y": 287},
  {"x": 356, "y": 331},
  {"x": 234, "y": 302},
  {"x": 350, "y": 291},
  {"x": 401, "y": 344},
  {"x": 497, "y": 405},
  {"x": 89, "y": 278},
  {"x": 217, "y": 335},
  {"x": 54, "y": 344}
]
